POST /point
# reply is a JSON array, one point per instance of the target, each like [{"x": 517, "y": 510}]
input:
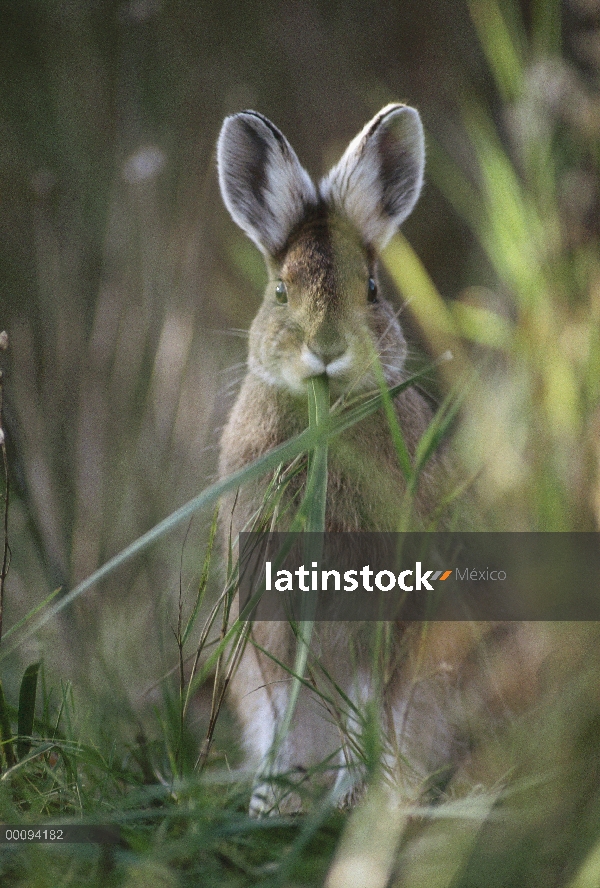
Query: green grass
[{"x": 522, "y": 405}]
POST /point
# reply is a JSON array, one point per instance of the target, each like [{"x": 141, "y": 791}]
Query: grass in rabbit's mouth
[{"x": 527, "y": 432}]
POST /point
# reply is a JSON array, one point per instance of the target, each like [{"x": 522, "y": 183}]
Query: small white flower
[{"x": 143, "y": 164}]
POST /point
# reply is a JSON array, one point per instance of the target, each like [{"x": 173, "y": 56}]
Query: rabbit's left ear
[
  {"x": 379, "y": 178},
  {"x": 264, "y": 187}
]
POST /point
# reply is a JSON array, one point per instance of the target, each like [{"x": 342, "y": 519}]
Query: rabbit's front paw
[
  {"x": 352, "y": 797},
  {"x": 263, "y": 801},
  {"x": 277, "y": 797}
]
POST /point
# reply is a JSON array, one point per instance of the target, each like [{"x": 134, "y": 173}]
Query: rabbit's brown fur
[{"x": 320, "y": 245}]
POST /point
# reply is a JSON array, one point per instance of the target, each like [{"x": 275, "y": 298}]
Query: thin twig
[
  {"x": 220, "y": 690},
  {"x": 179, "y": 638},
  {"x": 5, "y": 548}
]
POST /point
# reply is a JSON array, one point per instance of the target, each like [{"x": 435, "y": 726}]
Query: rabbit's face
[{"x": 322, "y": 314}]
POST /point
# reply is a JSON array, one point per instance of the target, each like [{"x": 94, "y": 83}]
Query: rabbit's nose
[{"x": 327, "y": 350}]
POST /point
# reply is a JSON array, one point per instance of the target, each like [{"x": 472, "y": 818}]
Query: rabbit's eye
[
  {"x": 281, "y": 293},
  {"x": 372, "y": 290}
]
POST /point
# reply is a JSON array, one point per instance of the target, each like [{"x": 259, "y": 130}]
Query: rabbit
[{"x": 323, "y": 313}]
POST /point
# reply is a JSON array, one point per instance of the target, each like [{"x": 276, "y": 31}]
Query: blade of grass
[
  {"x": 40, "y": 750},
  {"x": 29, "y": 616},
  {"x": 546, "y": 26},
  {"x": 203, "y": 580},
  {"x": 501, "y": 44},
  {"x": 427, "y": 305},
  {"x": 6, "y": 734},
  {"x": 437, "y": 430},
  {"x": 5, "y": 545},
  {"x": 312, "y": 509},
  {"x": 392, "y": 418},
  {"x": 27, "y": 695},
  {"x": 316, "y": 485}
]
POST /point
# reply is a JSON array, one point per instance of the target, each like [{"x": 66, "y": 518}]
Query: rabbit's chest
[{"x": 366, "y": 487}]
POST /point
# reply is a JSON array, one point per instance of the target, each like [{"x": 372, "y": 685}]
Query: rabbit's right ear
[
  {"x": 379, "y": 178},
  {"x": 264, "y": 187}
]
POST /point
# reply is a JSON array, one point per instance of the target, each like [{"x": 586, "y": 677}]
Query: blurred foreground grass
[{"x": 527, "y": 337}]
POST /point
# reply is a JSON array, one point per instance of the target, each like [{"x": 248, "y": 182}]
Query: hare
[{"x": 323, "y": 313}]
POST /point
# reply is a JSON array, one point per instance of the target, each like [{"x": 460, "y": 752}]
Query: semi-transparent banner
[{"x": 420, "y": 576}]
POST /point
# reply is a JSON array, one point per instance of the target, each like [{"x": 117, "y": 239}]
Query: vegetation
[{"x": 117, "y": 745}]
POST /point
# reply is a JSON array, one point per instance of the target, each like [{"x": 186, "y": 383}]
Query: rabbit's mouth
[
  {"x": 341, "y": 369},
  {"x": 347, "y": 369},
  {"x": 335, "y": 366}
]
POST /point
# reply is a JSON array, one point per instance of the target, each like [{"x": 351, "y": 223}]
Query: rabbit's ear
[
  {"x": 379, "y": 178},
  {"x": 264, "y": 187}
]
